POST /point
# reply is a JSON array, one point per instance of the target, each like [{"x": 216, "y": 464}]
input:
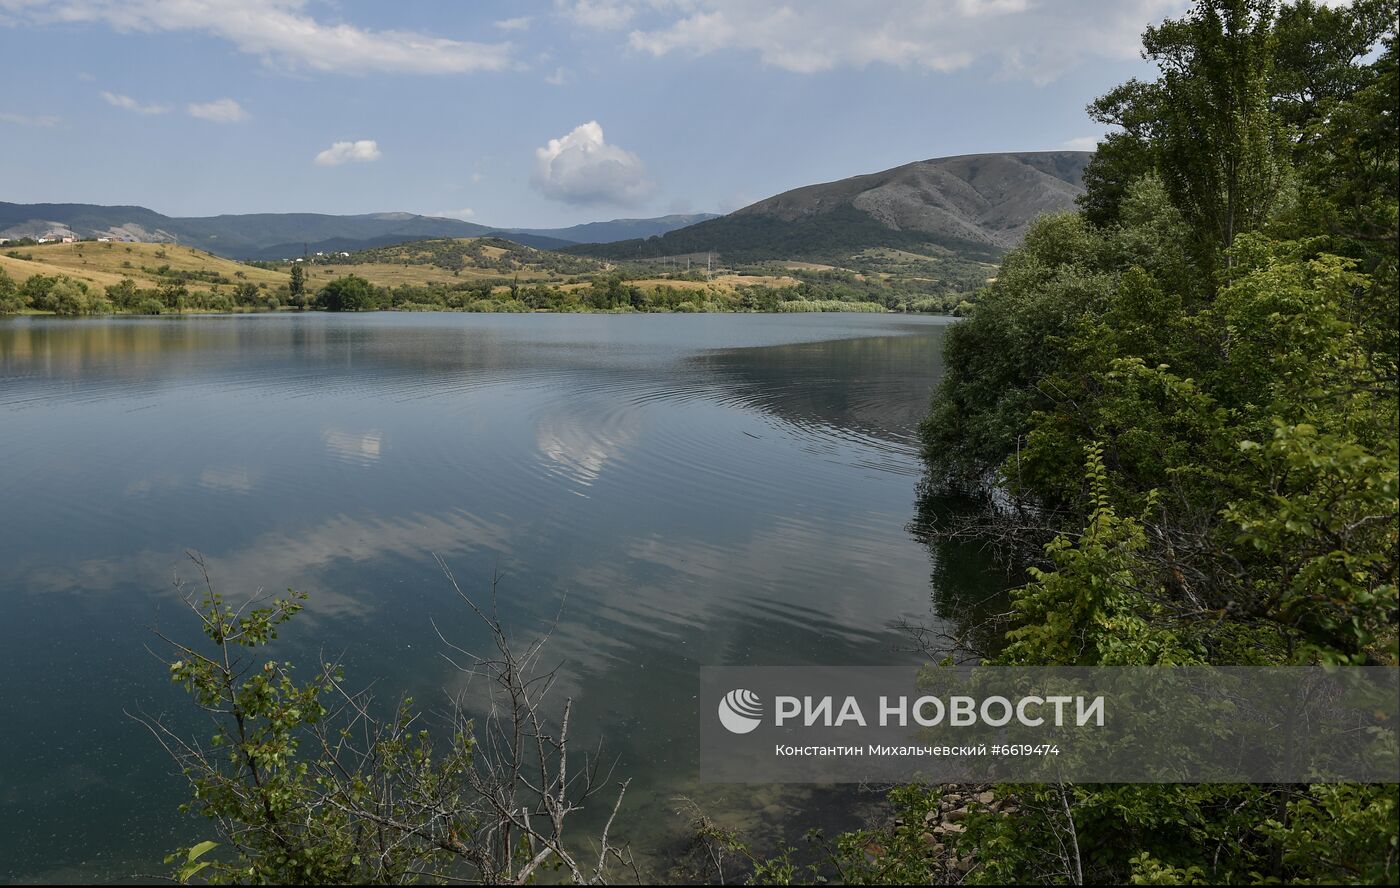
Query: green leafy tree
[
  {"x": 35, "y": 290},
  {"x": 11, "y": 302},
  {"x": 1219, "y": 145},
  {"x": 124, "y": 294},
  {"x": 297, "y": 287},
  {"x": 349, "y": 293}
]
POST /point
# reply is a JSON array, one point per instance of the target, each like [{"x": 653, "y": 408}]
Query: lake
[{"x": 681, "y": 490}]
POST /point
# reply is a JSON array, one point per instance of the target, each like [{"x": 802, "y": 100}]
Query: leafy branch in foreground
[{"x": 305, "y": 784}]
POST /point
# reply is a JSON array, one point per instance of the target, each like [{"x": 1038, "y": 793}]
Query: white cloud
[
  {"x": 127, "y": 103},
  {"x": 218, "y": 111},
  {"x": 560, "y": 77},
  {"x": 361, "y": 151},
  {"x": 463, "y": 213},
  {"x": 1029, "y": 39},
  {"x": 27, "y": 120},
  {"x": 600, "y": 14},
  {"x": 278, "y": 31},
  {"x": 1082, "y": 143},
  {"x": 583, "y": 169},
  {"x": 521, "y": 23}
]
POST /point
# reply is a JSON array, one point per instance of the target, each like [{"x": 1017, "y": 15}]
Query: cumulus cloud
[
  {"x": 1029, "y": 39},
  {"x": 362, "y": 151},
  {"x": 581, "y": 168},
  {"x": 127, "y": 103},
  {"x": 278, "y": 31},
  {"x": 521, "y": 23},
  {"x": 600, "y": 14},
  {"x": 218, "y": 111}
]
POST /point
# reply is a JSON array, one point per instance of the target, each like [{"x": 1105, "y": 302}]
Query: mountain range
[
  {"x": 284, "y": 235},
  {"x": 973, "y": 206}
]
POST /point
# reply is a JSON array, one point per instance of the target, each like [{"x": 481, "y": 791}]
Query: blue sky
[{"x": 531, "y": 113}]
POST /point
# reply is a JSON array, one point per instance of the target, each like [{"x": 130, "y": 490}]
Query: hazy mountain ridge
[
  {"x": 241, "y": 236},
  {"x": 618, "y": 229},
  {"x": 976, "y": 205},
  {"x": 283, "y": 235}
]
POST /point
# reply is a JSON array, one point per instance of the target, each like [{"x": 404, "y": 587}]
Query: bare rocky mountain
[
  {"x": 980, "y": 198},
  {"x": 974, "y": 204}
]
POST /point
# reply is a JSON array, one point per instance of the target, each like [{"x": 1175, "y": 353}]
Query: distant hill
[
  {"x": 616, "y": 229},
  {"x": 974, "y": 206},
  {"x": 285, "y": 235},
  {"x": 479, "y": 255},
  {"x": 149, "y": 265},
  {"x": 86, "y": 220},
  {"x": 245, "y": 236},
  {"x": 532, "y": 239}
]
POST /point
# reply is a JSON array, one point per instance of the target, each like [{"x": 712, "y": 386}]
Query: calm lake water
[{"x": 692, "y": 490}]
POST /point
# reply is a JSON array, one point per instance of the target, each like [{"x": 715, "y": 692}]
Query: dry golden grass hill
[{"x": 149, "y": 265}]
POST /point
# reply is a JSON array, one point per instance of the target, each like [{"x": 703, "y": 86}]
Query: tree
[
  {"x": 1220, "y": 147},
  {"x": 78, "y": 298},
  {"x": 10, "y": 300},
  {"x": 35, "y": 290},
  {"x": 1318, "y": 54},
  {"x": 297, "y": 287},
  {"x": 174, "y": 296},
  {"x": 1241, "y": 86},
  {"x": 349, "y": 293},
  {"x": 124, "y": 294}
]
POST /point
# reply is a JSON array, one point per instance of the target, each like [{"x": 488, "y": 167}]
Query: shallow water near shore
[{"x": 678, "y": 490}]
